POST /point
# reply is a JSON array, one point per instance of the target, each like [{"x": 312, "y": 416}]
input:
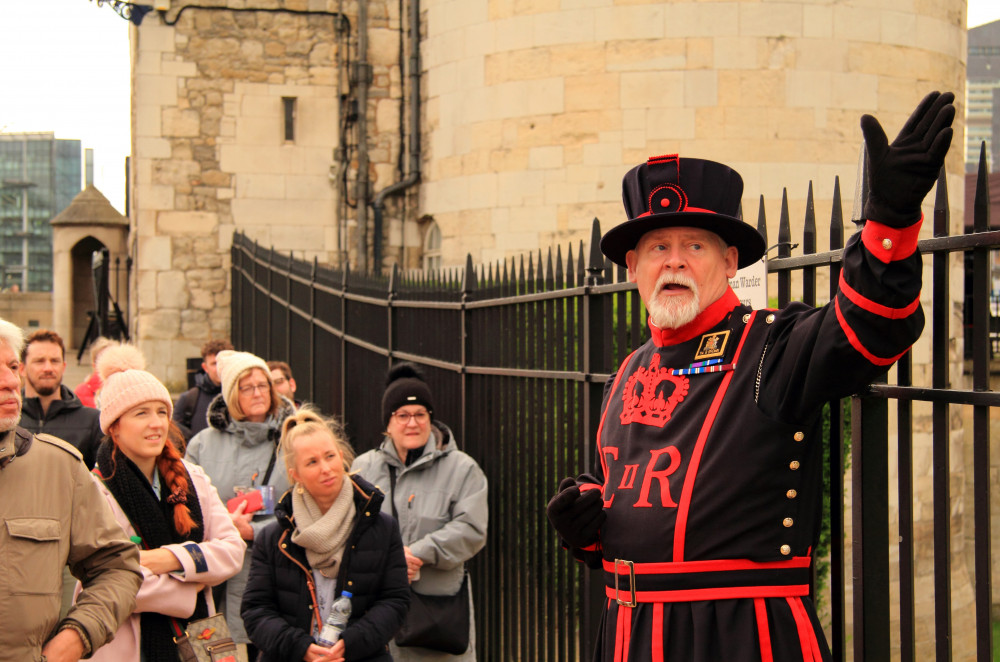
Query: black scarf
[{"x": 153, "y": 521}]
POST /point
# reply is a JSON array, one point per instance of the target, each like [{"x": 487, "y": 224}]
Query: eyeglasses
[
  {"x": 278, "y": 381},
  {"x": 403, "y": 418},
  {"x": 250, "y": 388}
]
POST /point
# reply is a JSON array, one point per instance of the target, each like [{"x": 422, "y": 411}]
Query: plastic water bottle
[{"x": 336, "y": 621}]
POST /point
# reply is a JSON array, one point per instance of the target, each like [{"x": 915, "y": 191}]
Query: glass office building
[{"x": 39, "y": 177}]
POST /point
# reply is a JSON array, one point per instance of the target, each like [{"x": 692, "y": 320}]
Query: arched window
[{"x": 432, "y": 247}]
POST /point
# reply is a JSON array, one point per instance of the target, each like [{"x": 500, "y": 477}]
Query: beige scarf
[{"x": 323, "y": 535}]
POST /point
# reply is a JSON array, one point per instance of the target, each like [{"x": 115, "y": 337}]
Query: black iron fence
[{"x": 517, "y": 354}]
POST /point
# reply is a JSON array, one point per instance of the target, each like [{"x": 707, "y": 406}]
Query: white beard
[{"x": 673, "y": 312}]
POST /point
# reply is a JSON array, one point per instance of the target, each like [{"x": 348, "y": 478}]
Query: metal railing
[{"x": 517, "y": 354}]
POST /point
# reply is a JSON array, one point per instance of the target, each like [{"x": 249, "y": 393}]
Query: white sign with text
[{"x": 750, "y": 285}]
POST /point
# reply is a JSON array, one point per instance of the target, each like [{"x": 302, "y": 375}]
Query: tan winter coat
[{"x": 54, "y": 514}]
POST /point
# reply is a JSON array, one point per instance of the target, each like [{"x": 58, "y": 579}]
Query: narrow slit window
[{"x": 288, "y": 105}]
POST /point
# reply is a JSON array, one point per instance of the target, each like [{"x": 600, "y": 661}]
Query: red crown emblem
[{"x": 643, "y": 398}]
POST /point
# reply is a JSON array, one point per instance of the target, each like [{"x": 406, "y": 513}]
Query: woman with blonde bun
[
  {"x": 186, "y": 539},
  {"x": 329, "y": 538}
]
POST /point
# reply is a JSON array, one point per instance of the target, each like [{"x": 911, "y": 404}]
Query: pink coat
[{"x": 174, "y": 594}]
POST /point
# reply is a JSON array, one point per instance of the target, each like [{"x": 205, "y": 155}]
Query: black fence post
[
  {"x": 982, "y": 462},
  {"x": 835, "y": 465},
  {"x": 870, "y": 505},
  {"x": 594, "y": 341},
  {"x": 469, "y": 285}
]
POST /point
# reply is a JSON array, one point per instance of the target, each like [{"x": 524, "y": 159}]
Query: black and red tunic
[{"x": 709, "y": 461}]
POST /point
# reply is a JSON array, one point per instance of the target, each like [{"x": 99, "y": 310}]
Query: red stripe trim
[
  {"x": 904, "y": 240},
  {"x": 763, "y": 630},
  {"x": 807, "y": 634},
  {"x": 680, "y": 527},
  {"x": 856, "y": 342},
  {"x": 727, "y": 593},
  {"x": 604, "y": 415},
  {"x": 721, "y": 565},
  {"x": 865, "y": 303},
  {"x": 627, "y": 630},
  {"x": 619, "y": 632},
  {"x": 657, "y": 634}
]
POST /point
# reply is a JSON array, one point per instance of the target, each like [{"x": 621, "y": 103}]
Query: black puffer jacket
[
  {"x": 68, "y": 420},
  {"x": 278, "y": 605}
]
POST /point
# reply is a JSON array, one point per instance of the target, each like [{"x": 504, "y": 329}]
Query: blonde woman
[{"x": 329, "y": 537}]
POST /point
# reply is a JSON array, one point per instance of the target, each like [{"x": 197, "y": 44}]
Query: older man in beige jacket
[{"x": 53, "y": 515}]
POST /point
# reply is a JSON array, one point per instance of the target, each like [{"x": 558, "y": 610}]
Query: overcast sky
[{"x": 65, "y": 69}]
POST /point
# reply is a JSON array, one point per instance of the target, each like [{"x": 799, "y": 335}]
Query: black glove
[
  {"x": 901, "y": 174},
  {"x": 576, "y": 517}
]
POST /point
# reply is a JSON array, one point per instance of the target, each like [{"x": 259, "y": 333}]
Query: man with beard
[
  {"x": 53, "y": 515},
  {"x": 191, "y": 408},
  {"x": 51, "y": 407},
  {"x": 704, "y": 502}
]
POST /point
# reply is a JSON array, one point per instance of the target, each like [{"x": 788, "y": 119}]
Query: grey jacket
[
  {"x": 441, "y": 501},
  {"x": 231, "y": 452}
]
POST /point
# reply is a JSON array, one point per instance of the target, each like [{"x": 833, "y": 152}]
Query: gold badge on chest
[{"x": 712, "y": 345}]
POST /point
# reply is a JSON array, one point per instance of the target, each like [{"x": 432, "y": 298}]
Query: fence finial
[
  {"x": 596, "y": 263},
  {"x": 942, "y": 211},
  {"x": 981, "y": 204},
  {"x": 861, "y": 187},
  {"x": 469, "y": 283},
  {"x": 809, "y": 226},
  {"x": 784, "y": 227},
  {"x": 836, "y": 218},
  {"x": 762, "y": 220}
]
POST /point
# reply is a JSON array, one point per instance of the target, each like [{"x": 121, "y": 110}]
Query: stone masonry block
[
  {"x": 807, "y": 89},
  {"x": 817, "y": 21},
  {"x": 652, "y": 89},
  {"x": 152, "y": 148},
  {"x": 821, "y": 55},
  {"x": 181, "y": 123},
  {"x": 186, "y": 223},
  {"x": 155, "y": 38},
  {"x": 670, "y": 123},
  {"x": 156, "y": 90},
  {"x": 940, "y": 36},
  {"x": 479, "y": 37},
  {"x": 259, "y": 130},
  {"x": 179, "y": 68},
  {"x": 542, "y": 158},
  {"x": 154, "y": 197},
  {"x": 148, "y": 122},
  {"x": 146, "y": 285},
  {"x": 771, "y": 19},
  {"x": 737, "y": 53},
  {"x": 171, "y": 290},
  {"x": 309, "y": 187},
  {"x": 153, "y": 253},
  {"x": 856, "y": 23},
  {"x": 522, "y": 188},
  {"x": 854, "y": 91},
  {"x": 260, "y": 186},
  {"x": 701, "y": 88},
  {"x": 636, "y": 22},
  {"x": 592, "y": 92},
  {"x": 703, "y": 19},
  {"x": 564, "y": 27}
]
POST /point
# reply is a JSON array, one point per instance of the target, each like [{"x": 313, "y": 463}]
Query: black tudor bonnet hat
[
  {"x": 405, "y": 385},
  {"x": 670, "y": 191}
]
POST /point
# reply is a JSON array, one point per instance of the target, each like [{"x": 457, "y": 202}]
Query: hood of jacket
[
  {"x": 202, "y": 381},
  {"x": 440, "y": 442},
  {"x": 68, "y": 401},
  {"x": 366, "y": 496},
  {"x": 220, "y": 419}
]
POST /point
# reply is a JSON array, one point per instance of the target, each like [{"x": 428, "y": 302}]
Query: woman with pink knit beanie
[{"x": 169, "y": 507}]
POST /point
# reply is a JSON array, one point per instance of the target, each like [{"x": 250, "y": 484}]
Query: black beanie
[{"x": 405, "y": 385}]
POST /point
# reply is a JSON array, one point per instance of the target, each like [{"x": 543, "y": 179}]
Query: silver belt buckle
[{"x": 631, "y": 583}]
